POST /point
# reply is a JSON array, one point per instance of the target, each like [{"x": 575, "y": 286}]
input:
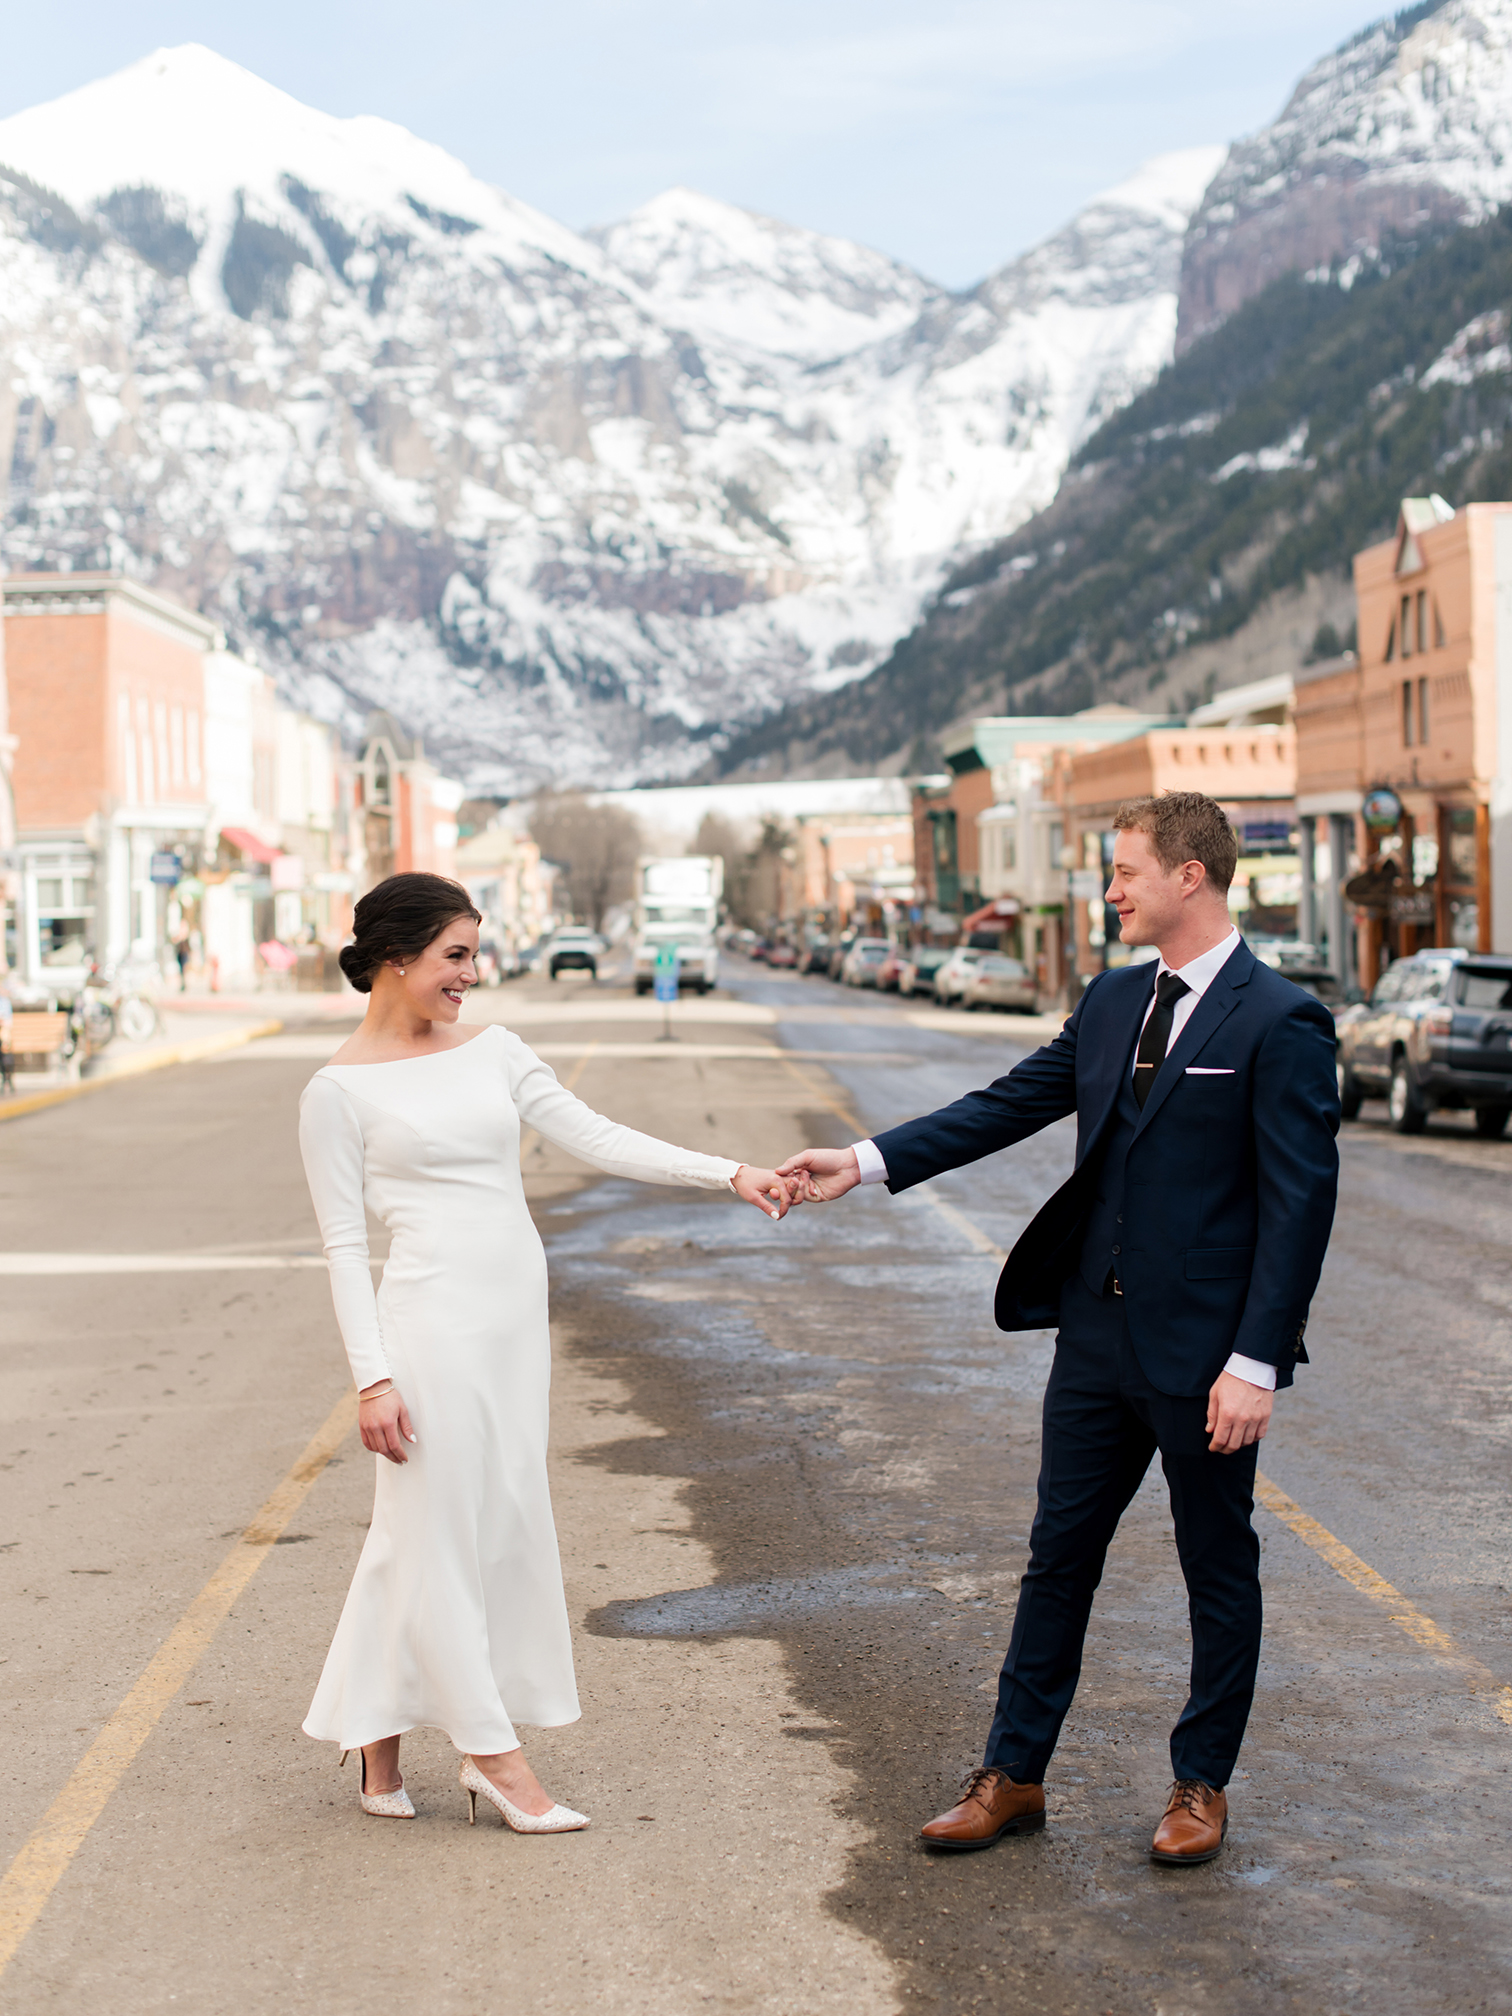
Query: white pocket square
[{"x": 1210, "y": 1071}]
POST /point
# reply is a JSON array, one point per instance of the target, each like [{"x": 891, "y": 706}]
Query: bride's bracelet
[{"x": 390, "y": 1388}]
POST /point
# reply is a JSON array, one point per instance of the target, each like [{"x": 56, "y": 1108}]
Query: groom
[{"x": 1178, "y": 1263}]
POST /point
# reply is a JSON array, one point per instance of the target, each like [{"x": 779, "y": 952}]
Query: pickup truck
[{"x": 1435, "y": 1035}]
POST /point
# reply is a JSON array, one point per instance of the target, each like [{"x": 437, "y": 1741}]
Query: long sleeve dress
[{"x": 456, "y": 1617}]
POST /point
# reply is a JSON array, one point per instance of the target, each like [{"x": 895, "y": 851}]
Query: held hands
[
  {"x": 1237, "y": 1414},
  {"x": 384, "y": 1424},
  {"x": 764, "y": 1188},
  {"x": 819, "y": 1175}
]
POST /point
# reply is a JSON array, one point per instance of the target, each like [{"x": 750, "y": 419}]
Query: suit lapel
[{"x": 1216, "y": 1005}]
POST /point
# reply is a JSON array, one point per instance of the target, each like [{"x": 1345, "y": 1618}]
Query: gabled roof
[{"x": 1418, "y": 514}]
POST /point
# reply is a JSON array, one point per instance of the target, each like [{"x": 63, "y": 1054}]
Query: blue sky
[{"x": 951, "y": 133}]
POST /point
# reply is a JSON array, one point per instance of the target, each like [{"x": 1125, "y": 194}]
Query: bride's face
[{"x": 436, "y": 983}]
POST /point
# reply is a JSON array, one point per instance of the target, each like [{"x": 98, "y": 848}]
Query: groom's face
[{"x": 1147, "y": 897}]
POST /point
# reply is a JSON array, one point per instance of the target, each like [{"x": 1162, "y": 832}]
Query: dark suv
[{"x": 1435, "y": 1035}]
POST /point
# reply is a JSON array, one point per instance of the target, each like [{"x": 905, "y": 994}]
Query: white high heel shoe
[
  {"x": 560, "y": 1820},
  {"x": 381, "y": 1805}
]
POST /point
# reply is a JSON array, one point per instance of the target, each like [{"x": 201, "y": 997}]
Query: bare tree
[
  {"x": 595, "y": 847},
  {"x": 721, "y": 836},
  {"x": 752, "y": 873}
]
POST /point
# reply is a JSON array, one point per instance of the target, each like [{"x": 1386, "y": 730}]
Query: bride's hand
[
  {"x": 384, "y": 1424},
  {"x": 764, "y": 1188}
]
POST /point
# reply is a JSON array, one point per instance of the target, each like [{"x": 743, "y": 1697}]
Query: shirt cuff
[
  {"x": 869, "y": 1161},
  {"x": 1252, "y": 1371}
]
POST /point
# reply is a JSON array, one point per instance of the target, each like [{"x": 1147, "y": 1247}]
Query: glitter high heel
[
  {"x": 382, "y": 1805},
  {"x": 560, "y": 1820}
]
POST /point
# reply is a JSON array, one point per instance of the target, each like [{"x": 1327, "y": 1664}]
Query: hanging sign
[
  {"x": 164, "y": 869},
  {"x": 1381, "y": 807}
]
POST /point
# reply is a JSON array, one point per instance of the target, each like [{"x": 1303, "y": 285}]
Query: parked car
[
  {"x": 891, "y": 970},
  {"x": 917, "y": 969},
  {"x": 863, "y": 962},
  {"x": 839, "y": 951},
  {"x": 951, "y": 975},
  {"x": 996, "y": 981},
  {"x": 782, "y": 954},
  {"x": 574, "y": 949},
  {"x": 1436, "y": 1034},
  {"x": 740, "y": 940},
  {"x": 816, "y": 956}
]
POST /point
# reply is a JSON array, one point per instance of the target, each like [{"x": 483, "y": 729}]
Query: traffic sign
[{"x": 667, "y": 964}]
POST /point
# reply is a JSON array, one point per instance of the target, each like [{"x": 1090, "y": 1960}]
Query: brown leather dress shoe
[
  {"x": 991, "y": 1805},
  {"x": 1194, "y": 1824}
]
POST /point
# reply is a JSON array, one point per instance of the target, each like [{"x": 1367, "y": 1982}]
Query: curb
[{"x": 181, "y": 1053}]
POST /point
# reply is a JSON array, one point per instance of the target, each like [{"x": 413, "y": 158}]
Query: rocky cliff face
[
  {"x": 1403, "y": 131},
  {"x": 571, "y": 506}
]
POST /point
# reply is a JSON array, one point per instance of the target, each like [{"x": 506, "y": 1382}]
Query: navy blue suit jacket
[{"x": 1230, "y": 1181}]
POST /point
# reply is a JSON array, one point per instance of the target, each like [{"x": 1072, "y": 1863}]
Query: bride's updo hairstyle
[{"x": 398, "y": 919}]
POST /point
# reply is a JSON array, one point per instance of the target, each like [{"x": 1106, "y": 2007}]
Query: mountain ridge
[{"x": 427, "y": 450}]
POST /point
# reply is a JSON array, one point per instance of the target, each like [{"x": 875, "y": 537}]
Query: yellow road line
[
  {"x": 530, "y": 1140},
  {"x": 193, "y": 1052},
  {"x": 1404, "y": 1613},
  {"x": 44, "y": 1858}
]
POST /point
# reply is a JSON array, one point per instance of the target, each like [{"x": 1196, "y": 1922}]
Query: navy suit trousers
[{"x": 1103, "y": 1422}]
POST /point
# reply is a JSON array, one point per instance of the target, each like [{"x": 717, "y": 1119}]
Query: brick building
[
  {"x": 106, "y": 686},
  {"x": 1236, "y": 750},
  {"x": 1417, "y": 732}
]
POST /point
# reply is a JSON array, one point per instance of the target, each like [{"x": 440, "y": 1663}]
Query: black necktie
[{"x": 1156, "y": 1034}]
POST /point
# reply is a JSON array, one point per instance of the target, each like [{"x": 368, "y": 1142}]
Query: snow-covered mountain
[
  {"x": 1407, "y": 125},
  {"x": 570, "y": 505}
]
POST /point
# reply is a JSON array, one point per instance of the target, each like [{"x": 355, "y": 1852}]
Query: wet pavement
[{"x": 859, "y": 1447}]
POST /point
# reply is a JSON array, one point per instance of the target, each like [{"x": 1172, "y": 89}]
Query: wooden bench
[{"x": 34, "y": 1033}]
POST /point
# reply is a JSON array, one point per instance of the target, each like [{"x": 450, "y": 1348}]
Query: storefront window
[
  {"x": 1464, "y": 922},
  {"x": 1462, "y": 851}
]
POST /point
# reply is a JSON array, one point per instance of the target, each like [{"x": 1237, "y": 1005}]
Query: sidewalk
[{"x": 183, "y": 1039}]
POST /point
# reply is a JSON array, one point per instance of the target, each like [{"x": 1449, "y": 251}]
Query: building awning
[
  {"x": 249, "y": 844},
  {"x": 996, "y": 912}
]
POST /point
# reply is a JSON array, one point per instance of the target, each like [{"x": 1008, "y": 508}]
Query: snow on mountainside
[
  {"x": 749, "y": 280},
  {"x": 572, "y": 507},
  {"x": 1407, "y": 125}
]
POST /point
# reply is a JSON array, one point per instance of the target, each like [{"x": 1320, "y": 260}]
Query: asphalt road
[{"x": 794, "y": 1478}]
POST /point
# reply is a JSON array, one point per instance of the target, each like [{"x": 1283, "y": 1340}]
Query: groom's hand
[
  {"x": 821, "y": 1174},
  {"x": 1237, "y": 1415}
]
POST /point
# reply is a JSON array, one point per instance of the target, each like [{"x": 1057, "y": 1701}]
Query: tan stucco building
[{"x": 1416, "y": 731}]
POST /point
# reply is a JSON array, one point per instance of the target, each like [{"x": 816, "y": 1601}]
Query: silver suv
[{"x": 1436, "y": 1034}]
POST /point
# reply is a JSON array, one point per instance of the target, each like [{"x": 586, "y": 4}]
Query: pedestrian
[
  {"x": 1179, "y": 1261},
  {"x": 181, "y": 948},
  {"x": 7, "y": 1062},
  {"x": 456, "y": 1616}
]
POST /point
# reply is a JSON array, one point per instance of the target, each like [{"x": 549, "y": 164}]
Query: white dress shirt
[{"x": 1199, "y": 974}]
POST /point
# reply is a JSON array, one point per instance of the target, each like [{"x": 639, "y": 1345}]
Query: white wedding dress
[{"x": 456, "y": 1616}]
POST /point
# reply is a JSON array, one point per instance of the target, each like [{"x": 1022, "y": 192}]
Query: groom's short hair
[{"x": 1184, "y": 826}]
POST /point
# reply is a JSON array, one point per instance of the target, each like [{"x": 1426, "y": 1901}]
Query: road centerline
[{"x": 48, "y": 1851}]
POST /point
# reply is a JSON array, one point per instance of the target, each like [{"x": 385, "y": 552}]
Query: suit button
[
  {"x": 1118, "y": 1249},
  {"x": 1120, "y": 1218}
]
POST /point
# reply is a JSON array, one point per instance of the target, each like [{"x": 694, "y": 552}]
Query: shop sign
[
  {"x": 164, "y": 869},
  {"x": 1381, "y": 807},
  {"x": 1267, "y": 836},
  {"x": 1413, "y": 906},
  {"x": 1086, "y": 884}
]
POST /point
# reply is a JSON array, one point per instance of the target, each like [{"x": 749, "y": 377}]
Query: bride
[{"x": 456, "y": 1616}]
